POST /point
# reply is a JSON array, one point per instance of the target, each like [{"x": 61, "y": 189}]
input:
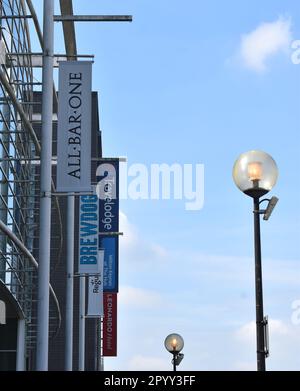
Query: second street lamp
[
  {"x": 174, "y": 344},
  {"x": 255, "y": 173}
]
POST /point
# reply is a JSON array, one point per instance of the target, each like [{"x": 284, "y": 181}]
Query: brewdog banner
[{"x": 88, "y": 235}]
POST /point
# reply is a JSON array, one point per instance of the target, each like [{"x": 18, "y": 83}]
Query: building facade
[{"x": 20, "y": 147}]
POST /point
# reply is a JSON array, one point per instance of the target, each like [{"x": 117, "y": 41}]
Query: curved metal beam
[
  {"x": 66, "y": 8},
  {"x": 29, "y": 127},
  {"x": 40, "y": 34},
  {"x": 12, "y": 300},
  {"x": 27, "y": 32},
  {"x": 18, "y": 106},
  {"x": 41, "y": 40},
  {"x": 35, "y": 21},
  {"x": 27, "y": 253},
  {"x": 36, "y": 142}
]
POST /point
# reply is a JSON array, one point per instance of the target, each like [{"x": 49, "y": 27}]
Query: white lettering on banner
[
  {"x": 74, "y": 131},
  {"x": 109, "y": 322},
  {"x": 108, "y": 204}
]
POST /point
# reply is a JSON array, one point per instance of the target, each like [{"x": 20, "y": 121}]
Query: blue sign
[
  {"x": 110, "y": 245},
  {"x": 108, "y": 193},
  {"x": 88, "y": 234}
]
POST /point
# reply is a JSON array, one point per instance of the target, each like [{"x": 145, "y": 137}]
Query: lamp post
[
  {"x": 255, "y": 173},
  {"x": 174, "y": 344}
]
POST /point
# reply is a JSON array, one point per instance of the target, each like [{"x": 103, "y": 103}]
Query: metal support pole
[
  {"x": 5, "y": 158},
  {"x": 98, "y": 343},
  {"x": 260, "y": 340},
  {"x": 45, "y": 197},
  {"x": 81, "y": 350},
  {"x": 70, "y": 284},
  {"x": 93, "y": 18},
  {"x": 21, "y": 346},
  {"x": 174, "y": 362}
]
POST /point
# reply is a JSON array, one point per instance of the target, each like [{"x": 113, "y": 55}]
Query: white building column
[{"x": 21, "y": 365}]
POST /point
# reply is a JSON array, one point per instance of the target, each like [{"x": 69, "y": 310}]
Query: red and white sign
[{"x": 110, "y": 324}]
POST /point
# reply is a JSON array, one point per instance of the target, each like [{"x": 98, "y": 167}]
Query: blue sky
[{"x": 201, "y": 82}]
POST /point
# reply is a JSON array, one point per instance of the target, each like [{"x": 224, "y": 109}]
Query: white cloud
[
  {"x": 277, "y": 327},
  {"x": 130, "y": 234},
  {"x": 284, "y": 344},
  {"x": 245, "y": 366},
  {"x": 265, "y": 41},
  {"x": 142, "y": 363},
  {"x": 134, "y": 248},
  {"x": 247, "y": 333},
  {"x": 141, "y": 298}
]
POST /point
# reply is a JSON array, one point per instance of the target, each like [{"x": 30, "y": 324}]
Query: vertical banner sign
[
  {"x": 88, "y": 234},
  {"x": 110, "y": 245},
  {"x": 110, "y": 325},
  {"x": 108, "y": 193},
  {"x": 95, "y": 297},
  {"x": 74, "y": 126}
]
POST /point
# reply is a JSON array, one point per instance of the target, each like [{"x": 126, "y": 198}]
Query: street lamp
[
  {"x": 255, "y": 173},
  {"x": 174, "y": 344}
]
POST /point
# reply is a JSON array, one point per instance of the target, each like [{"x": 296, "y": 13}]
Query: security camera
[{"x": 272, "y": 203}]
